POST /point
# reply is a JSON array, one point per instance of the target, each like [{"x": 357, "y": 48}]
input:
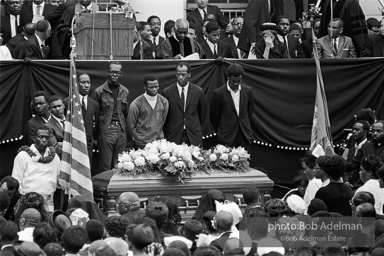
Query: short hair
[
  {"x": 82, "y": 74},
  {"x": 150, "y": 77},
  {"x": 116, "y": 226},
  {"x": 172, "y": 251},
  {"x": 309, "y": 159},
  {"x": 251, "y": 194},
  {"x": 119, "y": 245},
  {"x": 168, "y": 26},
  {"x": 207, "y": 251},
  {"x": 333, "y": 249},
  {"x": 54, "y": 98},
  {"x": 8, "y": 231},
  {"x": 30, "y": 28},
  {"x": 53, "y": 249},
  {"x": 42, "y": 26},
  {"x": 95, "y": 230},
  {"x": 212, "y": 26},
  {"x": 340, "y": 21},
  {"x": 366, "y": 210},
  {"x": 363, "y": 197},
  {"x": 41, "y": 93},
  {"x": 316, "y": 205},
  {"x": 372, "y": 163},
  {"x": 178, "y": 244},
  {"x": 235, "y": 70},
  {"x": 372, "y": 22},
  {"x": 153, "y": 17},
  {"x": 183, "y": 63},
  {"x": 192, "y": 228},
  {"x": 142, "y": 25},
  {"x": 333, "y": 166},
  {"x": 380, "y": 173},
  {"x": 44, "y": 234},
  {"x": 41, "y": 127},
  {"x": 366, "y": 126},
  {"x": 193, "y": 26},
  {"x": 224, "y": 220},
  {"x": 74, "y": 238},
  {"x": 180, "y": 22},
  {"x": 31, "y": 216},
  {"x": 279, "y": 18},
  {"x": 118, "y": 63},
  {"x": 276, "y": 207},
  {"x": 140, "y": 235},
  {"x": 366, "y": 114},
  {"x": 11, "y": 182}
]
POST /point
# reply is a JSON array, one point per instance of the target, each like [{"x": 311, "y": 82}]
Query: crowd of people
[{"x": 42, "y": 30}]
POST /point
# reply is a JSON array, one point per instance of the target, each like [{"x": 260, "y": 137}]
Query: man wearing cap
[
  {"x": 27, "y": 223},
  {"x": 223, "y": 224},
  {"x": 128, "y": 206}
]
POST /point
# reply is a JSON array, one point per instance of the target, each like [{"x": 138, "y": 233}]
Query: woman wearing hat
[{"x": 270, "y": 47}]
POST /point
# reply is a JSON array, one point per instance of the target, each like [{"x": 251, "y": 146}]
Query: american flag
[
  {"x": 321, "y": 139},
  {"x": 75, "y": 172}
]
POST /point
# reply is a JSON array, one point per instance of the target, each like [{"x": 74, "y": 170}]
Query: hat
[
  {"x": 232, "y": 208},
  {"x": 170, "y": 239},
  {"x": 59, "y": 221},
  {"x": 30, "y": 249},
  {"x": 295, "y": 27},
  {"x": 269, "y": 26},
  {"x": 296, "y": 204},
  {"x": 79, "y": 217}
]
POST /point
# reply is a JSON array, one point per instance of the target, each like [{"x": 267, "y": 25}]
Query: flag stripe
[{"x": 81, "y": 179}]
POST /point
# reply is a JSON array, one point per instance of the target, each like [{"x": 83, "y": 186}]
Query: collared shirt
[
  {"x": 373, "y": 186},
  {"x": 152, "y": 100},
  {"x": 325, "y": 183},
  {"x": 85, "y": 100},
  {"x": 5, "y": 246},
  {"x": 236, "y": 40},
  {"x": 179, "y": 88},
  {"x": 358, "y": 146},
  {"x": 156, "y": 38},
  {"x": 26, "y": 234},
  {"x": 34, "y": 176},
  {"x": 34, "y": 8},
  {"x": 235, "y": 97},
  {"x": 49, "y": 117},
  {"x": 60, "y": 121},
  {"x": 201, "y": 11},
  {"x": 212, "y": 46},
  {"x": 311, "y": 190},
  {"x": 89, "y": 7},
  {"x": 13, "y": 25},
  {"x": 41, "y": 42}
]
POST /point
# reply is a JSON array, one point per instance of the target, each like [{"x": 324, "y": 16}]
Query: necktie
[
  {"x": 43, "y": 51},
  {"x": 154, "y": 41},
  {"x": 285, "y": 43},
  {"x": 63, "y": 122},
  {"x": 16, "y": 23},
  {"x": 182, "y": 98},
  {"x": 205, "y": 14},
  {"x": 335, "y": 45},
  {"x": 182, "y": 48},
  {"x": 83, "y": 107},
  {"x": 214, "y": 51},
  {"x": 38, "y": 10}
]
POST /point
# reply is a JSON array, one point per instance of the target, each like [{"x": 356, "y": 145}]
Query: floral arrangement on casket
[{"x": 181, "y": 161}]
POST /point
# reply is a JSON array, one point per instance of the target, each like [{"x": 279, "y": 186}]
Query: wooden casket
[{"x": 109, "y": 185}]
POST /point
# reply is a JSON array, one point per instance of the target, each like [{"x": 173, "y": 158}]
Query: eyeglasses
[
  {"x": 237, "y": 24},
  {"x": 122, "y": 204}
]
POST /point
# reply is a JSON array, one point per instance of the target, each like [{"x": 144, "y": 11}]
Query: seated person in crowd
[
  {"x": 292, "y": 44},
  {"x": 373, "y": 26},
  {"x": 270, "y": 47},
  {"x": 375, "y": 44},
  {"x": 128, "y": 206},
  {"x": 142, "y": 50},
  {"x": 233, "y": 38},
  {"x": 214, "y": 48},
  {"x": 10, "y": 185}
]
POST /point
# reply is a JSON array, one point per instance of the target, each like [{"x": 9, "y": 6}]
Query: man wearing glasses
[
  {"x": 128, "y": 206},
  {"x": 375, "y": 45},
  {"x": 334, "y": 45},
  {"x": 112, "y": 98},
  {"x": 233, "y": 39}
]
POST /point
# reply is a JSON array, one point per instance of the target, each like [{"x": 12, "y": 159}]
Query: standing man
[
  {"x": 90, "y": 111},
  {"x": 56, "y": 123},
  {"x": 231, "y": 110},
  {"x": 10, "y": 21},
  {"x": 187, "y": 109},
  {"x": 34, "y": 11},
  {"x": 112, "y": 98},
  {"x": 155, "y": 24},
  {"x": 291, "y": 43},
  {"x": 41, "y": 112},
  {"x": 199, "y": 14},
  {"x": 334, "y": 45},
  {"x": 37, "y": 167},
  {"x": 147, "y": 114}
]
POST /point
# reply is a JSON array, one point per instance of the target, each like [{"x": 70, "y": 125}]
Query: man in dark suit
[
  {"x": 41, "y": 115},
  {"x": 214, "y": 48},
  {"x": 291, "y": 43},
  {"x": 34, "y": 47},
  {"x": 8, "y": 233},
  {"x": 232, "y": 109},
  {"x": 90, "y": 111},
  {"x": 10, "y": 185},
  {"x": 187, "y": 109},
  {"x": 34, "y": 8},
  {"x": 142, "y": 50},
  {"x": 199, "y": 14},
  {"x": 233, "y": 39},
  {"x": 375, "y": 45},
  {"x": 155, "y": 24},
  {"x": 223, "y": 224},
  {"x": 10, "y": 21},
  {"x": 56, "y": 123},
  {"x": 15, "y": 44}
]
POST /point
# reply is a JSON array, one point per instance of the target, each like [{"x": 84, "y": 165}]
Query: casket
[{"x": 109, "y": 185}]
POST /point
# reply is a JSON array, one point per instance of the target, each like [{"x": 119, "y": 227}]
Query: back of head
[
  {"x": 366, "y": 114},
  {"x": 12, "y": 183},
  {"x": 379, "y": 228},
  {"x": 231, "y": 244},
  {"x": 116, "y": 226},
  {"x": 42, "y": 26},
  {"x": 159, "y": 212},
  {"x": 212, "y": 25},
  {"x": 28, "y": 248},
  {"x": 44, "y": 234},
  {"x": 29, "y": 29},
  {"x": 276, "y": 207},
  {"x": 366, "y": 210},
  {"x": 181, "y": 246},
  {"x": 333, "y": 166},
  {"x": 74, "y": 238},
  {"x": 224, "y": 221},
  {"x": 130, "y": 198},
  {"x": 140, "y": 235},
  {"x": 363, "y": 197},
  {"x": 4, "y": 200},
  {"x": 95, "y": 230},
  {"x": 53, "y": 249},
  {"x": 105, "y": 251},
  {"x": 118, "y": 245},
  {"x": 316, "y": 205},
  {"x": 30, "y": 217},
  {"x": 96, "y": 245},
  {"x": 192, "y": 228},
  {"x": 251, "y": 195},
  {"x": 173, "y": 252},
  {"x": 8, "y": 231},
  {"x": 173, "y": 210},
  {"x": 207, "y": 251}
]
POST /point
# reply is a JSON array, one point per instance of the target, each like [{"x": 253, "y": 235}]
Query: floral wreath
[{"x": 42, "y": 159}]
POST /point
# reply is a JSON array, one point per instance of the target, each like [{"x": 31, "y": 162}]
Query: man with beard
[
  {"x": 179, "y": 45},
  {"x": 10, "y": 21},
  {"x": 233, "y": 39},
  {"x": 155, "y": 24}
]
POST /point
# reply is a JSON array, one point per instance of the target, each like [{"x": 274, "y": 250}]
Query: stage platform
[{"x": 109, "y": 185}]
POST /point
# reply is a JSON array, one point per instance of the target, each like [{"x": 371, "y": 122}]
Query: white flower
[
  {"x": 187, "y": 156},
  {"x": 153, "y": 151},
  {"x": 120, "y": 165},
  {"x": 128, "y": 166},
  {"x": 35, "y": 158},
  {"x": 179, "y": 164},
  {"x": 124, "y": 157},
  {"x": 200, "y": 158},
  {"x": 140, "y": 161},
  {"x": 153, "y": 158},
  {"x": 212, "y": 157},
  {"x": 221, "y": 149},
  {"x": 165, "y": 156},
  {"x": 296, "y": 204},
  {"x": 224, "y": 157},
  {"x": 172, "y": 159},
  {"x": 235, "y": 158},
  {"x": 196, "y": 154}
]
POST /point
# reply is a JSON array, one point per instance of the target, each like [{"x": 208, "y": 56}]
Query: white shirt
[
  {"x": 152, "y": 100},
  {"x": 179, "y": 88},
  {"x": 236, "y": 40},
  {"x": 156, "y": 38},
  {"x": 13, "y": 27},
  {"x": 373, "y": 187},
  {"x": 201, "y": 11},
  {"x": 358, "y": 146},
  {"x": 26, "y": 234},
  {"x": 41, "y": 42},
  {"x": 85, "y": 100},
  {"x": 34, "y": 8},
  {"x": 212, "y": 46},
  {"x": 5, "y": 54},
  {"x": 34, "y": 176},
  {"x": 89, "y": 7},
  {"x": 311, "y": 190},
  {"x": 325, "y": 183},
  {"x": 235, "y": 97}
]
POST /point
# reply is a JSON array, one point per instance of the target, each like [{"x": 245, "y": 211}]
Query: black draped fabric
[{"x": 284, "y": 93}]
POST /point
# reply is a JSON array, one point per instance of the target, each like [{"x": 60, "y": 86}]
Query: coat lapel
[
  {"x": 176, "y": 95},
  {"x": 229, "y": 97},
  {"x": 190, "y": 95}
]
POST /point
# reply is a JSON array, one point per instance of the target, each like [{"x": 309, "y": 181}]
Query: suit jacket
[
  {"x": 345, "y": 48},
  {"x": 369, "y": 148},
  {"x": 375, "y": 46},
  {"x": 224, "y": 118},
  {"x": 193, "y": 118},
  {"x": 15, "y": 43},
  {"x": 31, "y": 49},
  {"x": 8, "y": 251},
  {"x": 155, "y": 48},
  {"x": 195, "y": 17},
  {"x": 6, "y": 26},
  {"x": 58, "y": 132},
  {"x": 26, "y": 14},
  {"x": 219, "y": 242},
  {"x": 31, "y": 126},
  {"x": 295, "y": 51},
  {"x": 222, "y": 50},
  {"x": 147, "y": 51},
  {"x": 233, "y": 47},
  {"x": 91, "y": 117},
  {"x": 9, "y": 213}
]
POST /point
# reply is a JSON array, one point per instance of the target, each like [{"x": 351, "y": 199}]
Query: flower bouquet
[{"x": 181, "y": 161}]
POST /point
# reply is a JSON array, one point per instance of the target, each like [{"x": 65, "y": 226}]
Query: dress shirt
[
  {"x": 85, "y": 100},
  {"x": 236, "y": 40},
  {"x": 13, "y": 25},
  {"x": 152, "y": 100},
  {"x": 358, "y": 146},
  {"x": 156, "y": 38},
  {"x": 325, "y": 183},
  {"x": 60, "y": 120},
  {"x": 201, "y": 11},
  {"x": 310, "y": 193},
  {"x": 34, "y": 176},
  {"x": 235, "y": 97},
  {"x": 34, "y": 8},
  {"x": 337, "y": 42},
  {"x": 179, "y": 88},
  {"x": 5, "y": 246},
  {"x": 89, "y": 7},
  {"x": 373, "y": 186},
  {"x": 26, "y": 235},
  {"x": 212, "y": 46}
]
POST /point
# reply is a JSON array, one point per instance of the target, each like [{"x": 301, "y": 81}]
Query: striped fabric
[{"x": 75, "y": 172}]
